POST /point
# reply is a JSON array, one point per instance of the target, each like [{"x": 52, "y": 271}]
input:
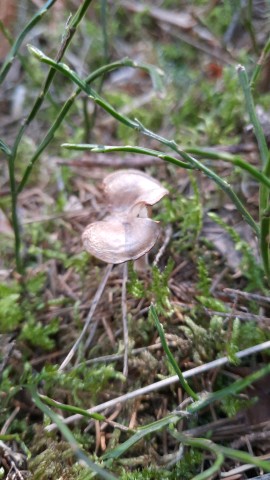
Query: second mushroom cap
[{"x": 126, "y": 189}]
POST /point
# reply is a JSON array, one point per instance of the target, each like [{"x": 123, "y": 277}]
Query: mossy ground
[{"x": 206, "y": 246}]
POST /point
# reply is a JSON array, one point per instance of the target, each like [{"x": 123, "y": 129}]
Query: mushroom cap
[
  {"x": 125, "y": 190},
  {"x": 117, "y": 240}
]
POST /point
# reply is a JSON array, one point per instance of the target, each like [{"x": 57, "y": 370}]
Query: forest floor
[{"x": 205, "y": 278}]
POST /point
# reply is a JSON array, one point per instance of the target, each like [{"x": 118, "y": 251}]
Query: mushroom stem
[
  {"x": 141, "y": 264},
  {"x": 124, "y": 318},
  {"x": 88, "y": 318}
]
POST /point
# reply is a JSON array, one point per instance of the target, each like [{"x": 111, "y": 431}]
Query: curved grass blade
[
  {"x": 264, "y": 202},
  {"x": 69, "y": 33},
  {"x": 136, "y": 125},
  {"x": 243, "y": 78},
  {"x": 71, "y": 408},
  {"x": 170, "y": 356},
  {"x": 127, "y": 148},
  {"x": 4, "y": 148},
  {"x": 211, "y": 471},
  {"x": 70, "y": 438},
  {"x": 195, "y": 407},
  {"x": 260, "y": 64},
  {"x": 239, "y": 455},
  {"x": 237, "y": 161},
  {"x": 125, "y": 62}
]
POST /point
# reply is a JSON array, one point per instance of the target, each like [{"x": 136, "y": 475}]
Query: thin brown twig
[{"x": 88, "y": 318}]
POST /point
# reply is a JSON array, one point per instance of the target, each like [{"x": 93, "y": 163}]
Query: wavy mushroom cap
[
  {"x": 118, "y": 240},
  {"x": 125, "y": 190}
]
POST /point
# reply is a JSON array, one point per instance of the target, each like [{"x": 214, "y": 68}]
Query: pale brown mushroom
[
  {"x": 127, "y": 233},
  {"x": 117, "y": 240},
  {"x": 128, "y": 190}
]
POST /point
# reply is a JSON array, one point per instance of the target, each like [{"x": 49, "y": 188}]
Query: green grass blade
[
  {"x": 207, "y": 474},
  {"x": 69, "y": 33},
  {"x": 195, "y": 407},
  {"x": 265, "y": 158},
  {"x": 243, "y": 78},
  {"x": 4, "y": 148},
  {"x": 14, "y": 50},
  {"x": 126, "y": 62},
  {"x": 140, "y": 434},
  {"x": 235, "y": 160},
  {"x": 127, "y": 148},
  {"x": 136, "y": 125},
  {"x": 70, "y": 438},
  {"x": 232, "y": 389},
  {"x": 239, "y": 455},
  {"x": 170, "y": 356},
  {"x": 71, "y": 408},
  {"x": 260, "y": 64},
  {"x": 191, "y": 163}
]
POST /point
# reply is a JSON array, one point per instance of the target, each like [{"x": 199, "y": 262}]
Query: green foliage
[
  {"x": 219, "y": 18},
  {"x": 250, "y": 333},
  {"x": 185, "y": 469},
  {"x": 159, "y": 289},
  {"x": 186, "y": 213},
  {"x": 135, "y": 286},
  {"x": 82, "y": 379},
  {"x": 38, "y": 334},
  {"x": 205, "y": 341},
  {"x": 53, "y": 462},
  {"x": 232, "y": 405},
  {"x": 250, "y": 267},
  {"x": 204, "y": 282},
  {"x": 150, "y": 473},
  {"x": 35, "y": 283},
  {"x": 233, "y": 345},
  {"x": 11, "y": 313},
  {"x": 188, "y": 466},
  {"x": 79, "y": 261}
]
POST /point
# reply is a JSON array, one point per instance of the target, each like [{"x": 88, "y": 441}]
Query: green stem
[
  {"x": 70, "y": 31},
  {"x": 202, "y": 444},
  {"x": 243, "y": 457},
  {"x": 126, "y": 148},
  {"x": 14, "y": 50},
  {"x": 71, "y": 408},
  {"x": 126, "y": 62},
  {"x": 243, "y": 78},
  {"x": 237, "y": 161},
  {"x": 249, "y": 25},
  {"x": 136, "y": 125},
  {"x": 14, "y": 216},
  {"x": 260, "y": 64},
  {"x": 170, "y": 356},
  {"x": 265, "y": 157}
]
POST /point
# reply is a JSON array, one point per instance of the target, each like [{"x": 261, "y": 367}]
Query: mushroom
[
  {"x": 126, "y": 233},
  {"x": 128, "y": 190}
]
